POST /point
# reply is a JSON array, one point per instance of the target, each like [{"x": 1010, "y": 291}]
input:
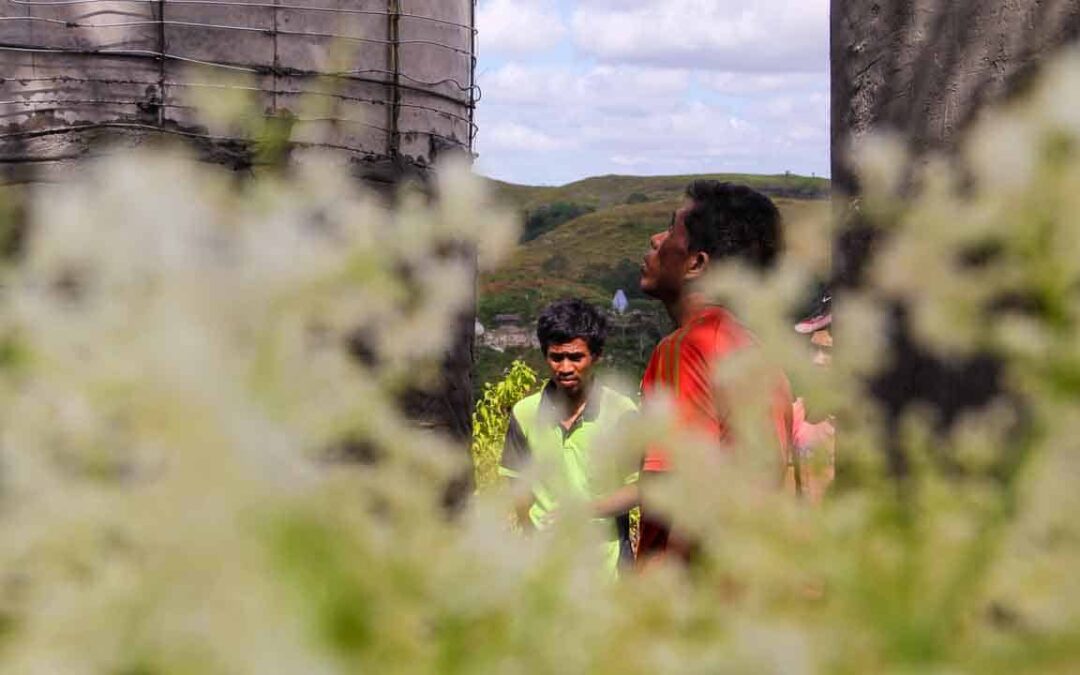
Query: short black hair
[
  {"x": 816, "y": 302},
  {"x": 565, "y": 320},
  {"x": 733, "y": 221}
]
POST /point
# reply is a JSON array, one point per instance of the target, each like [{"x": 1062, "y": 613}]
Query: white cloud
[
  {"x": 741, "y": 84},
  {"x": 519, "y": 137},
  {"x": 729, "y": 35},
  {"x": 785, "y": 107},
  {"x": 659, "y": 86},
  {"x": 518, "y": 26},
  {"x": 602, "y": 87},
  {"x": 770, "y": 133},
  {"x": 630, "y": 161}
]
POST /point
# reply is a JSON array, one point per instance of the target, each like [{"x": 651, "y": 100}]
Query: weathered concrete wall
[
  {"x": 924, "y": 68},
  {"x": 395, "y": 75},
  {"x": 393, "y": 80}
]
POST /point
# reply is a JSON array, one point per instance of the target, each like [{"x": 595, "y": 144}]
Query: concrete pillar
[{"x": 924, "y": 69}]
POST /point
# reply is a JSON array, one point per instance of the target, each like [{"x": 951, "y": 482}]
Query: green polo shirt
[{"x": 535, "y": 435}]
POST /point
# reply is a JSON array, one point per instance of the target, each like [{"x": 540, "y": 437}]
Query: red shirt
[{"x": 682, "y": 365}]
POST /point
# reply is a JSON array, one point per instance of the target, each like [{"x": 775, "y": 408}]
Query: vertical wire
[
  {"x": 394, "y": 19},
  {"x": 161, "y": 62},
  {"x": 472, "y": 76},
  {"x": 277, "y": 64}
]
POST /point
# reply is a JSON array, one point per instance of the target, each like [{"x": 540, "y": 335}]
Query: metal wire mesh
[{"x": 70, "y": 66}]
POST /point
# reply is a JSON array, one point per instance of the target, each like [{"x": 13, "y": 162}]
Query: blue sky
[{"x": 589, "y": 87}]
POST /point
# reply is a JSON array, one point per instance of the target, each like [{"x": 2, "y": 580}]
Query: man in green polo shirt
[{"x": 558, "y": 426}]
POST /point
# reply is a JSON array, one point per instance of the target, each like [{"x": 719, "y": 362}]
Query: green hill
[
  {"x": 606, "y": 191},
  {"x": 593, "y": 255}
]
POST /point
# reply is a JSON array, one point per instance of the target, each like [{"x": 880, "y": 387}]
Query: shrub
[
  {"x": 549, "y": 216},
  {"x": 556, "y": 264},
  {"x": 521, "y": 302},
  {"x": 625, "y": 274},
  {"x": 491, "y": 419}
]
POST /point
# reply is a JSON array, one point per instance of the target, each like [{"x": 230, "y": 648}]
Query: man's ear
[{"x": 698, "y": 264}]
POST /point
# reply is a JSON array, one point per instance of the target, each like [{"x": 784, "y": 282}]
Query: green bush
[
  {"x": 625, "y": 274},
  {"x": 491, "y": 418},
  {"x": 549, "y": 216},
  {"x": 556, "y": 264}
]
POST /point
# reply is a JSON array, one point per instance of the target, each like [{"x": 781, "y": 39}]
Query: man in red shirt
[{"x": 717, "y": 222}]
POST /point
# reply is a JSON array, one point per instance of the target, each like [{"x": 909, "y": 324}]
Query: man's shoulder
[
  {"x": 714, "y": 333},
  {"x": 529, "y": 404}
]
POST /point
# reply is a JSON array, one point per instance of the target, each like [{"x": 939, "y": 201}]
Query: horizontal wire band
[
  {"x": 176, "y": 106},
  {"x": 265, "y": 5},
  {"x": 33, "y": 133},
  {"x": 358, "y": 71},
  {"x": 207, "y": 85},
  {"x": 344, "y": 75},
  {"x": 269, "y": 32}
]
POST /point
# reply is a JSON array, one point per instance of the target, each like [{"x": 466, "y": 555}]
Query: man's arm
[
  {"x": 617, "y": 503},
  {"x": 516, "y": 455}
]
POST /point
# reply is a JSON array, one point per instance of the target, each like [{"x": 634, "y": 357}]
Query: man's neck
[
  {"x": 684, "y": 307},
  {"x": 571, "y": 405}
]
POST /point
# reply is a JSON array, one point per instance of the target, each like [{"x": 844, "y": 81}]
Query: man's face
[
  {"x": 663, "y": 271},
  {"x": 571, "y": 365},
  {"x": 822, "y": 342}
]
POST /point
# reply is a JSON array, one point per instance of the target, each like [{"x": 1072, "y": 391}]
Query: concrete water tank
[
  {"x": 396, "y": 77},
  {"x": 70, "y": 69}
]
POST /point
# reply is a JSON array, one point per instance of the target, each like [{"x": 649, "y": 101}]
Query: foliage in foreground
[{"x": 175, "y": 366}]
